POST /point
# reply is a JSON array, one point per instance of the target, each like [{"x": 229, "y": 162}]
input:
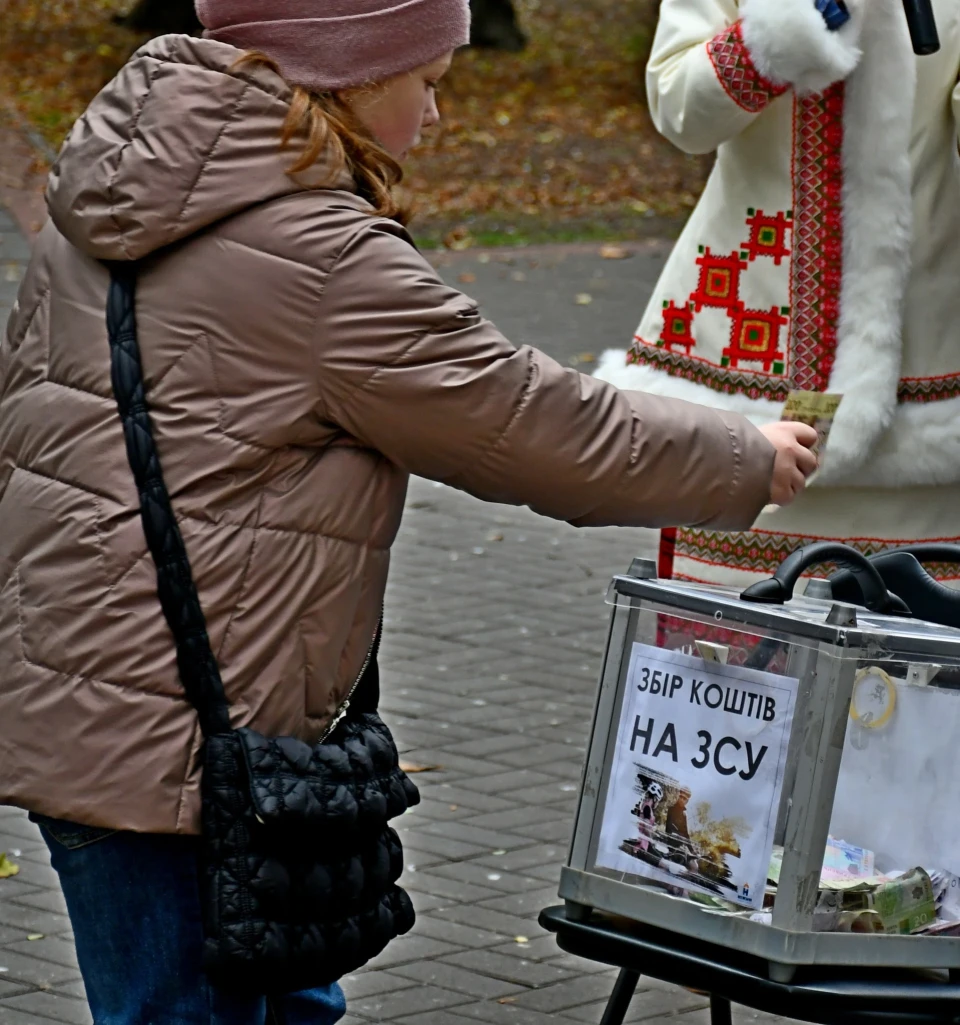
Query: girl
[{"x": 301, "y": 359}]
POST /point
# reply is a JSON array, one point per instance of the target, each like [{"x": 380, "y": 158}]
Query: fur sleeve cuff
[{"x": 790, "y": 43}]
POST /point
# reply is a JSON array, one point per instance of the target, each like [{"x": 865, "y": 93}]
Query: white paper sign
[{"x": 696, "y": 775}]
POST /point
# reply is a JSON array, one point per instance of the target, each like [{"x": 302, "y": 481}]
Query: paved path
[{"x": 495, "y": 623}]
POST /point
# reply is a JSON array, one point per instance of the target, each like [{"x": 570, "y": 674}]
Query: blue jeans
[{"x": 134, "y": 905}]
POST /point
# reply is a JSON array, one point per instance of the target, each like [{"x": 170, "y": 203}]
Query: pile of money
[
  {"x": 842, "y": 861},
  {"x": 903, "y": 905},
  {"x": 946, "y": 890},
  {"x": 855, "y": 898}
]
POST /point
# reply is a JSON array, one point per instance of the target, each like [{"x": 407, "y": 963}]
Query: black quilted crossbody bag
[{"x": 299, "y": 864}]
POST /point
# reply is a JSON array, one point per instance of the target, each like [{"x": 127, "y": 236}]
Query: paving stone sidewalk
[{"x": 494, "y": 628}]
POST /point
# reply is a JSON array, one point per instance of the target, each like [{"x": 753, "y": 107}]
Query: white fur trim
[
  {"x": 877, "y": 237},
  {"x": 791, "y": 45},
  {"x": 613, "y": 367},
  {"x": 921, "y": 448}
]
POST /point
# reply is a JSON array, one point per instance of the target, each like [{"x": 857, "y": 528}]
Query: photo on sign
[
  {"x": 685, "y": 846},
  {"x": 695, "y": 773}
]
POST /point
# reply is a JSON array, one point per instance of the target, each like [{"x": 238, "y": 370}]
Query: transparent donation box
[{"x": 780, "y": 780}]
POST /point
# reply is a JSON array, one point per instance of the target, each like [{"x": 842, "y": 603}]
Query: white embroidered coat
[{"x": 824, "y": 255}]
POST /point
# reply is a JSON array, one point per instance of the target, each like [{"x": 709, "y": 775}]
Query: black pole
[
  {"x": 923, "y": 26},
  {"x": 720, "y": 1013},
  {"x": 619, "y": 1002}
]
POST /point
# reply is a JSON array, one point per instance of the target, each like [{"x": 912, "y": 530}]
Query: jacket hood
[{"x": 176, "y": 142}]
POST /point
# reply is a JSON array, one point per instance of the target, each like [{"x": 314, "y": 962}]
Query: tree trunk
[
  {"x": 495, "y": 26},
  {"x": 161, "y": 16}
]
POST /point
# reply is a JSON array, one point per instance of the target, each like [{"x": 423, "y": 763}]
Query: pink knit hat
[{"x": 335, "y": 44}]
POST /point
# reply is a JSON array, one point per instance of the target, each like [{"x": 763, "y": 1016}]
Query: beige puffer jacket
[{"x": 301, "y": 359}]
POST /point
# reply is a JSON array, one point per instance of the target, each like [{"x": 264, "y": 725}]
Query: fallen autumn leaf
[
  {"x": 409, "y": 767},
  {"x": 612, "y": 252},
  {"x": 564, "y": 138}
]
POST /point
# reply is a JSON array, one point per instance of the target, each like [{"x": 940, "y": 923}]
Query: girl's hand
[{"x": 795, "y": 460}]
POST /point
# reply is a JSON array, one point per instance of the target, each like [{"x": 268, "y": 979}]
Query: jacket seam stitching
[
  {"x": 221, "y": 403},
  {"x": 227, "y": 123},
  {"x": 518, "y": 411},
  {"x": 243, "y": 582},
  {"x": 737, "y": 462},
  {"x": 307, "y": 668},
  {"x": 314, "y": 356},
  {"x": 161, "y": 65},
  {"x": 11, "y": 578},
  {"x": 16, "y": 340},
  {"x": 259, "y": 251},
  {"x": 23, "y": 645},
  {"x": 112, "y": 585},
  {"x": 74, "y": 388},
  {"x": 262, "y": 528},
  {"x": 418, "y": 338},
  {"x": 63, "y": 482},
  {"x": 154, "y": 75},
  {"x": 182, "y": 801},
  {"x": 28, "y": 661},
  {"x": 226, "y": 432},
  {"x": 160, "y": 378},
  {"x": 127, "y": 688},
  {"x": 248, "y": 83},
  {"x": 636, "y": 429},
  {"x": 98, "y": 534}
]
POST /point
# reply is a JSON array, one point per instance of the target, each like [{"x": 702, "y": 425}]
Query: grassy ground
[{"x": 554, "y": 143}]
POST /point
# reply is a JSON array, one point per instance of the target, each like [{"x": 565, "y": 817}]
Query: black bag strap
[{"x": 179, "y": 600}]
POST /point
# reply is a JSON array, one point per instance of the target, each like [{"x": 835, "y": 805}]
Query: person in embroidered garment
[
  {"x": 823, "y": 256},
  {"x": 299, "y": 359}
]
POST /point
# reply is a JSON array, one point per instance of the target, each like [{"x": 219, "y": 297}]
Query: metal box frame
[{"x": 826, "y": 667}]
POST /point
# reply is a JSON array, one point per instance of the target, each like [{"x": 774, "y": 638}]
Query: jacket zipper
[{"x": 345, "y": 705}]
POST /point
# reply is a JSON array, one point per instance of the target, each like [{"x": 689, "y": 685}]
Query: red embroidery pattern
[
  {"x": 754, "y": 334},
  {"x": 757, "y": 386},
  {"x": 757, "y": 551},
  {"x": 768, "y": 235},
  {"x": 929, "y": 389},
  {"x": 754, "y": 385},
  {"x": 735, "y": 69},
  {"x": 755, "y": 337},
  {"x": 719, "y": 284},
  {"x": 817, "y": 265},
  {"x": 815, "y": 251},
  {"x": 677, "y": 327}
]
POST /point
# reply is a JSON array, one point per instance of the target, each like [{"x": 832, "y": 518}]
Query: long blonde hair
[{"x": 331, "y": 128}]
